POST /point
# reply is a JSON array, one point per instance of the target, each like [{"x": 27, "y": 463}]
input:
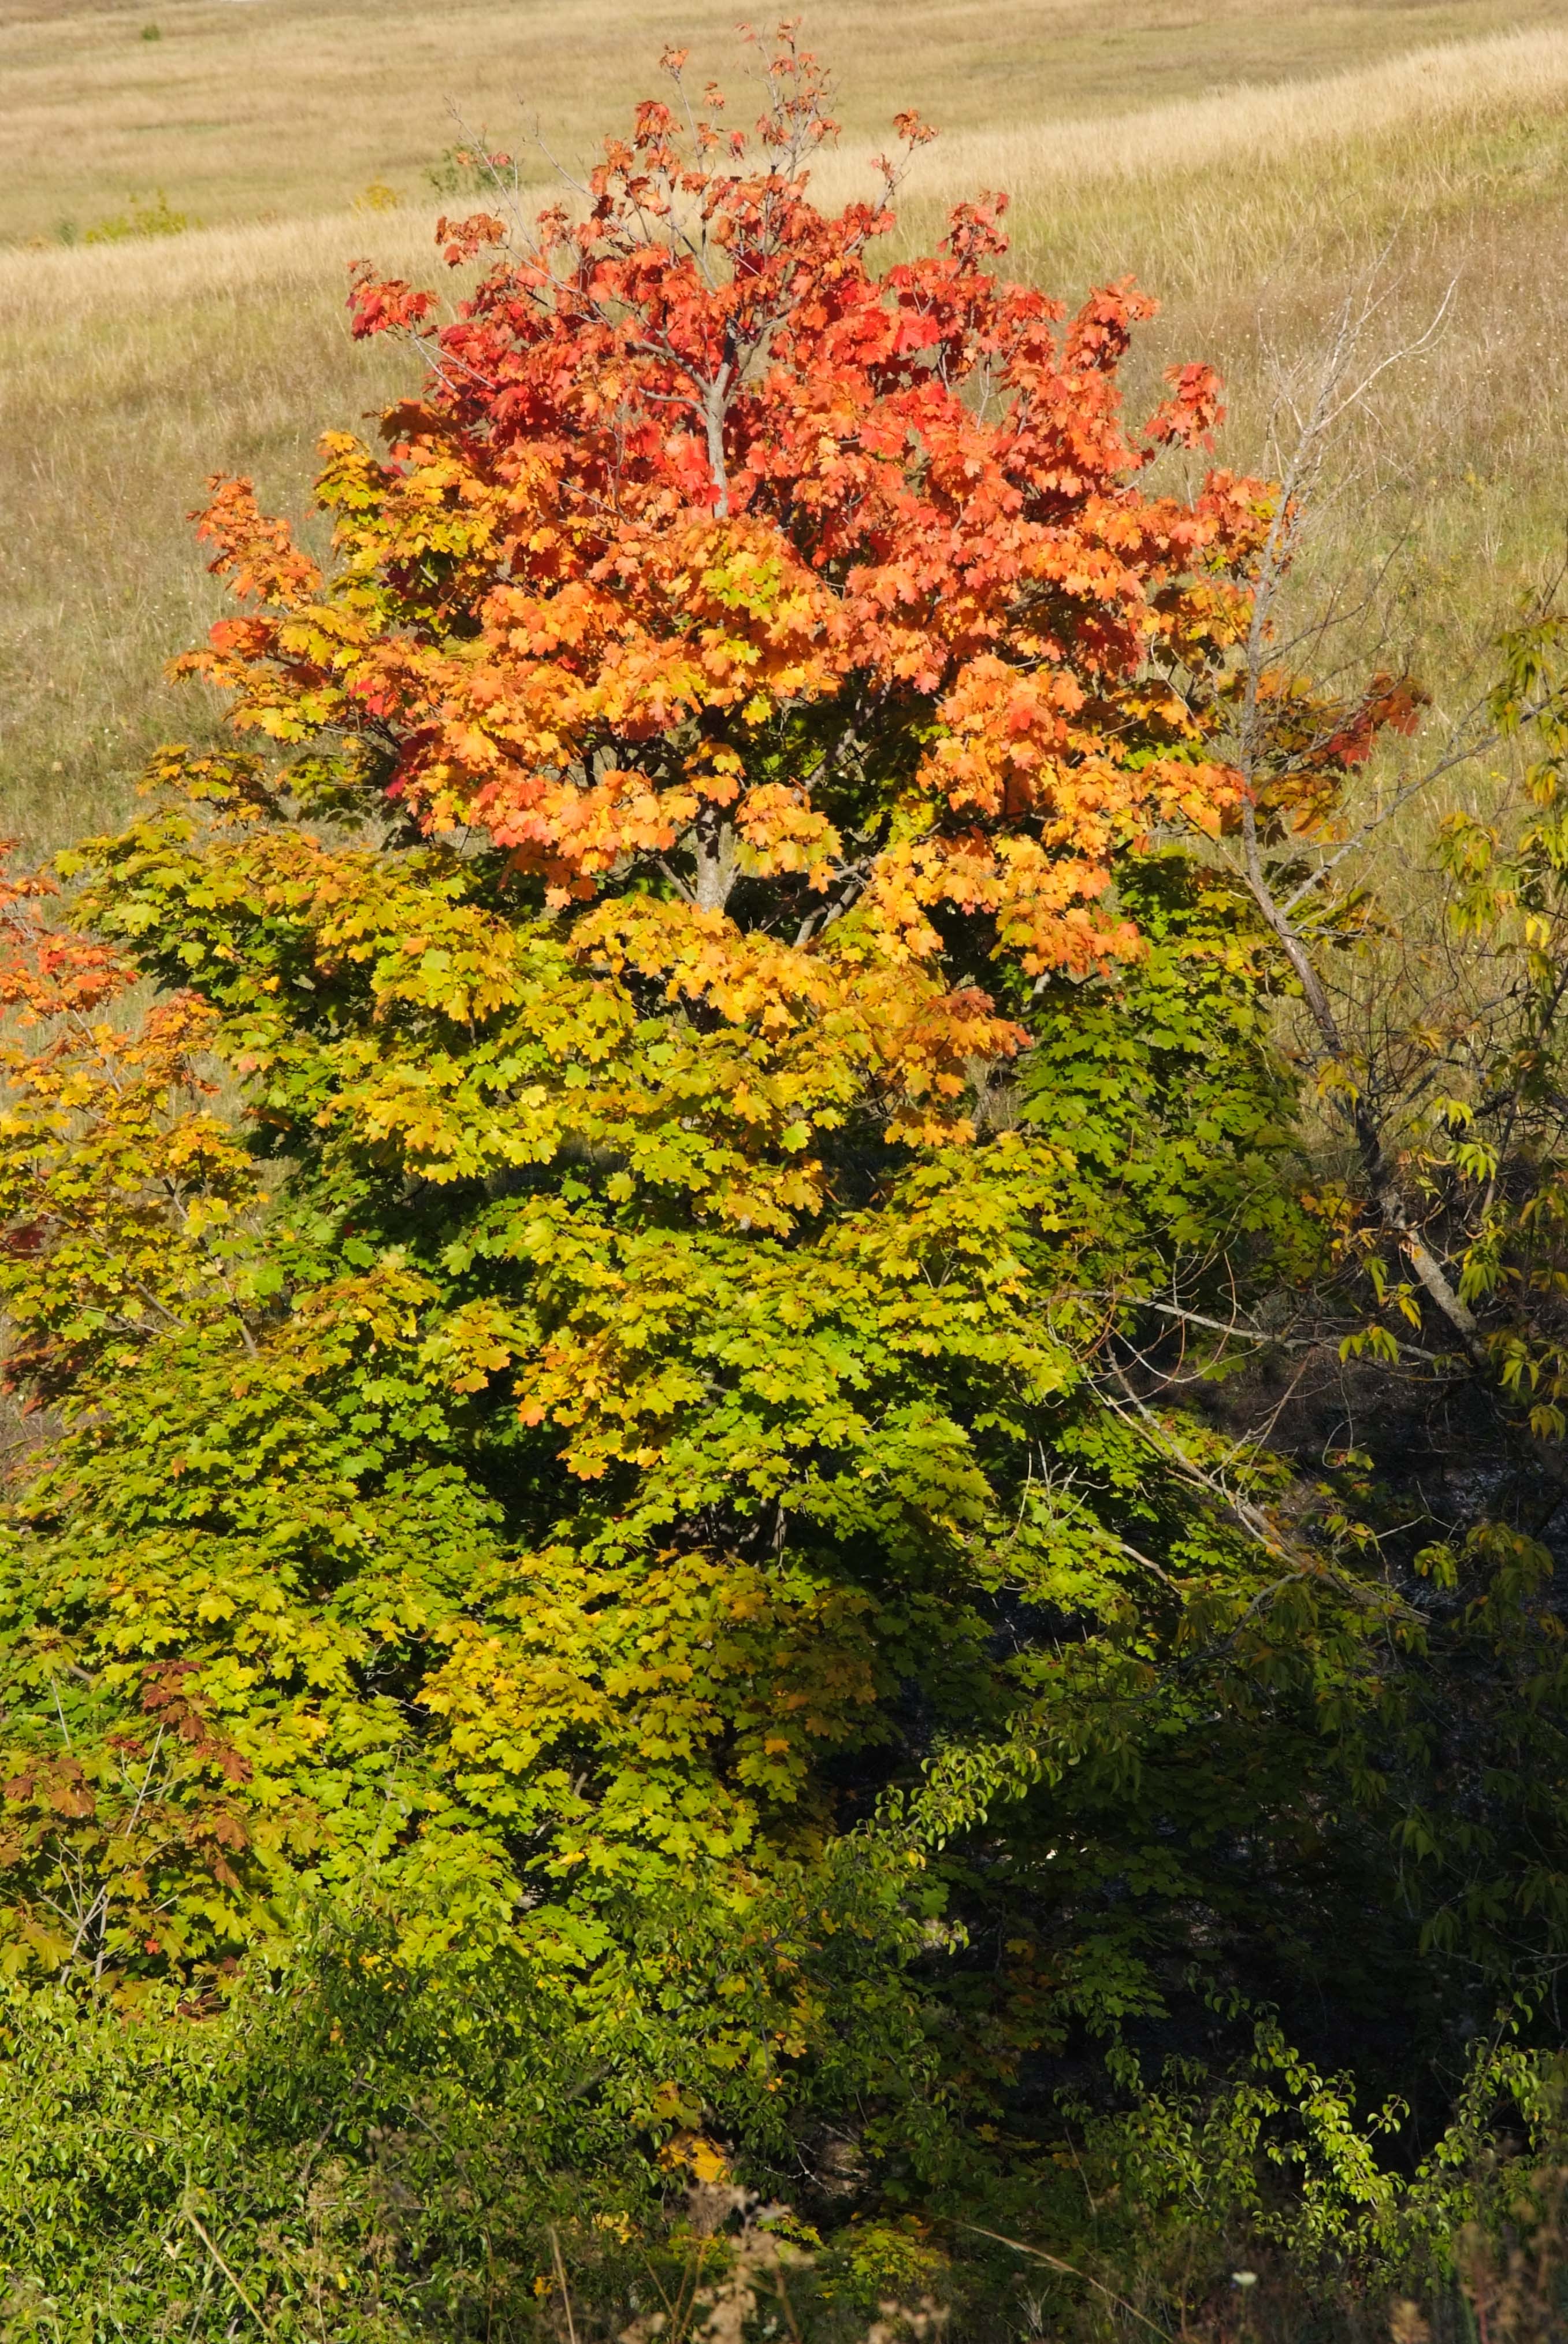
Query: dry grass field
[
  {"x": 243, "y": 106},
  {"x": 1247, "y": 159}
]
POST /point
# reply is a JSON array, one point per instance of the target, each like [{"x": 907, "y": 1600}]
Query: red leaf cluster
[{"x": 713, "y": 551}]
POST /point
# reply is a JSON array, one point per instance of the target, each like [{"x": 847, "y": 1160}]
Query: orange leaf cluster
[{"x": 805, "y": 592}]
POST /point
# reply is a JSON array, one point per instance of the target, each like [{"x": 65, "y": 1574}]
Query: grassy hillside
[
  {"x": 288, "y": 105},
  {"x": 1247, "y": 162}
]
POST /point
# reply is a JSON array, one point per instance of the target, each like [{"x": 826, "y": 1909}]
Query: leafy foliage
[{"x": 607, "y": 1338}]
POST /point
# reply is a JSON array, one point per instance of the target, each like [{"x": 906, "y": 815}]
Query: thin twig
[
  {"x": 1070, "y": 2269},
  {"x": 187, "y": 2214},
  {"x": 566, "y": 2291}
]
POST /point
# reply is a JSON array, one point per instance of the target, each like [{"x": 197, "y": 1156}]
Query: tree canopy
[{"x": 604, "y": 1342}]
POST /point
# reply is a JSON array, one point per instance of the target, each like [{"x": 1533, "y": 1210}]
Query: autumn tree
[{"x": 630, "y": 1444}]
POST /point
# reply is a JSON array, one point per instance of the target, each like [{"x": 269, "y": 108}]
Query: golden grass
[
  {"x": 1443, "y": 88},
  {"x": 294, "y": 104},
  {"x": 129, "y": 372}
]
